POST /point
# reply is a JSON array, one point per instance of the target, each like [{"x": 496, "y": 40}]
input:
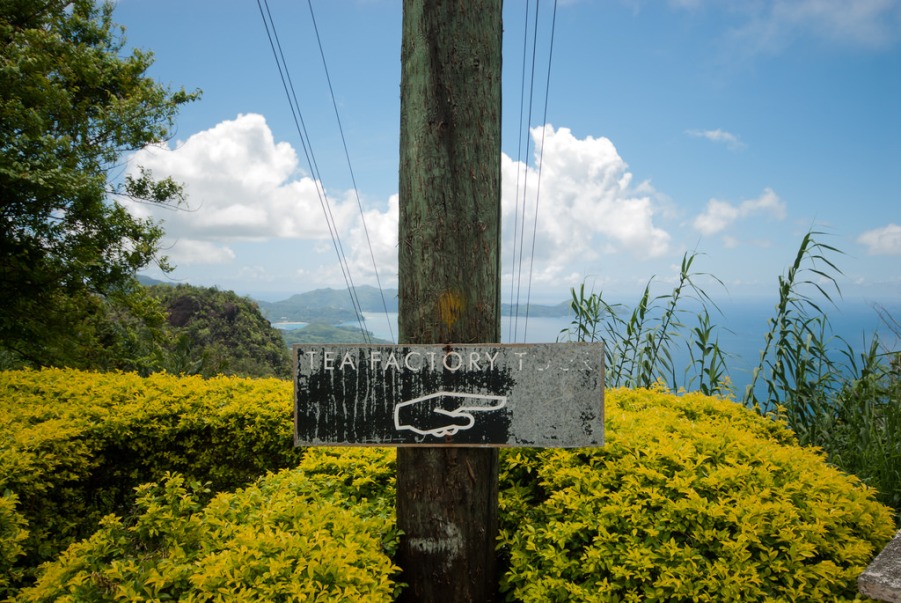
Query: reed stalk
[{"x": 848, "y": 404}]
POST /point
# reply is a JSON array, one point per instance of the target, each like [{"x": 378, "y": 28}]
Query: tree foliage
[
  {"x": 213, "y": 332},
  {"x": 72, "y": 102}
]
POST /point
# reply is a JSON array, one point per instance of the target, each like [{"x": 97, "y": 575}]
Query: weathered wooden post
[
  {"x": 449, "y": 277},
  {"x": 449, "y": 394}
]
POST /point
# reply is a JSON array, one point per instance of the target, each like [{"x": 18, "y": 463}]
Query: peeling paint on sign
[{"x": 544, "y": 395}]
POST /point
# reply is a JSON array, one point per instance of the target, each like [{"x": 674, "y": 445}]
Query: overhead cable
[
  {"x": 291, "y": 94},
  {"x": 521, "y": 193},
  {"x": 351, "y": 170},
  {"x": 511, "y": 333},
  {"x": 547, "y": 90}
]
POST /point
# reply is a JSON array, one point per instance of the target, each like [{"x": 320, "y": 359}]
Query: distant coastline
[
  {"x": 741, "y": 330},
  {"x": 326, "y": 316},
  {"x": 334, "y": 307}
]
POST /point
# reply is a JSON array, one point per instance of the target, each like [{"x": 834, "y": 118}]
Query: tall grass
[
  {"x": 639, "y": 343},
  {"x": 795, "y": 361},
  {"x": 848, "y": 403}
]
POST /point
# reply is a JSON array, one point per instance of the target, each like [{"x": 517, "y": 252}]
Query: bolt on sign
[{"x": 541, "y": 395}]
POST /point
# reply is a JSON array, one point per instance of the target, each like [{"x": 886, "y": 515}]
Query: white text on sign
[{"x": 415, "y": 361}]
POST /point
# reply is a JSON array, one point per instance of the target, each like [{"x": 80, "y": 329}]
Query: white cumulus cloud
[
  {"x": 587, "y": 207},
  {"x": 719, "y": 215},
  {"x": 882, "y": 241},
  {"x": 379, "y": 247},
  {"x": 244, "y": 187},
  {"x": 241, "y": 185}
]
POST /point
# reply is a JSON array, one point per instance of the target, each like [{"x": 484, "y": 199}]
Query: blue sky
[{"x": 730, "y": 128}]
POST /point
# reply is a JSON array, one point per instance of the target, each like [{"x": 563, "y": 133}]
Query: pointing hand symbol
[{"x": 444, "y": 413}]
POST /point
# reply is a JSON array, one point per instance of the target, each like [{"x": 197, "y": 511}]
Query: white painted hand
[{"x": 444, "y": 413}]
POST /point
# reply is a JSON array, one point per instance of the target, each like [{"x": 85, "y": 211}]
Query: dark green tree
[
  {"x": 213, "y": 332},
  {"x": 72, "y": 103}
]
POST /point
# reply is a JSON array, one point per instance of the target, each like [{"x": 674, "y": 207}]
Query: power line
[
  {"x": 517, "y": 268},
  {"x": 291, "y": 93},
  {"x": 519, "y": 220},
  {"x": 547, "y": 91},
  {"x": 351, "y": 170},
  {"x": 519, "y": 135}
]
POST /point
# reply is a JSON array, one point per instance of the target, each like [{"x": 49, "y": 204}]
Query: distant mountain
[
  {"x": 320, "y": 333},
  {"x": 329, "y": 306},
  {"x": 149, "y": 281},
  {"x": 537, "y": 310},
  {"x": 334, "y": 306},
  {"x": 369, "y": 298}
]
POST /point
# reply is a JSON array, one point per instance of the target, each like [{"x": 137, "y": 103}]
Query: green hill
[
  {"x": 329, "y": 306},
  {"x": 219, "y": 332},
  {"x": 325, "y": 333},
  {"x": 334, "y": 306}
]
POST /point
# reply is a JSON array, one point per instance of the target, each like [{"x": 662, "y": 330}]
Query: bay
[{"x": 742, "y": 327}]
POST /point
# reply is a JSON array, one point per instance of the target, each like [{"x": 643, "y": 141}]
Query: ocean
[{"x": 741, "y": 330}]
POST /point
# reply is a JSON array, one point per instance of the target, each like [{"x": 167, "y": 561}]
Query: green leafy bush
[
  {"x": 692, "y": 498},
  {"x": 844, "y": 401},
  {"x": 12, "y": 533},
  {"x": 73, "y": 445},
  {"x": 300, "y": 535},
  {"x": 213, "y": 332}
]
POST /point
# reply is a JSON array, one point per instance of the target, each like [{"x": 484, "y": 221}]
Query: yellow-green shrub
[
  {"x": 73, "y": 444},
  {"x": 304, "y": 534},
  {"x": 12, "y": 533},
  {"x": 692, "y": 499}
]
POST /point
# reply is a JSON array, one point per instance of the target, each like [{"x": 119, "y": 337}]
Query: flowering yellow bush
[
  {"x": 12, "y": 533},
  {"x": 300, "y": 535},
  {"x": 693, "y": 498},
  {"x": 74, "y": 444}
]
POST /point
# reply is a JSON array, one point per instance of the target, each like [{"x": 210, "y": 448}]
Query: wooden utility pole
[{"x": 449, "y": 289}]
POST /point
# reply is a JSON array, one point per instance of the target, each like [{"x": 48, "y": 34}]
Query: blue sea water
[{"x": 742, "y": 326}]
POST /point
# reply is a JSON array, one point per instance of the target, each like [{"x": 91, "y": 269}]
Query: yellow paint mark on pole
[{"x": 450, "y": 308}]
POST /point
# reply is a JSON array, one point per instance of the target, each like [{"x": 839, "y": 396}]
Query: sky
[{"x": 726, "y": 128}]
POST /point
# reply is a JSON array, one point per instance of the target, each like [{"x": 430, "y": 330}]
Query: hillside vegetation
[
  {"x": 213, "y": 332},
  {"x": 324, "y": 333}
]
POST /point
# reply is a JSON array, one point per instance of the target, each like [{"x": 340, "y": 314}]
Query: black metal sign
[{"x": 544, "y": 395}]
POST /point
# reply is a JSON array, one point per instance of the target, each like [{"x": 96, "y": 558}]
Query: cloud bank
[
  {"x": 720, "y": 215},
  {"x": 243, "y": 186},
  {"x": 575, "y": 211}
]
